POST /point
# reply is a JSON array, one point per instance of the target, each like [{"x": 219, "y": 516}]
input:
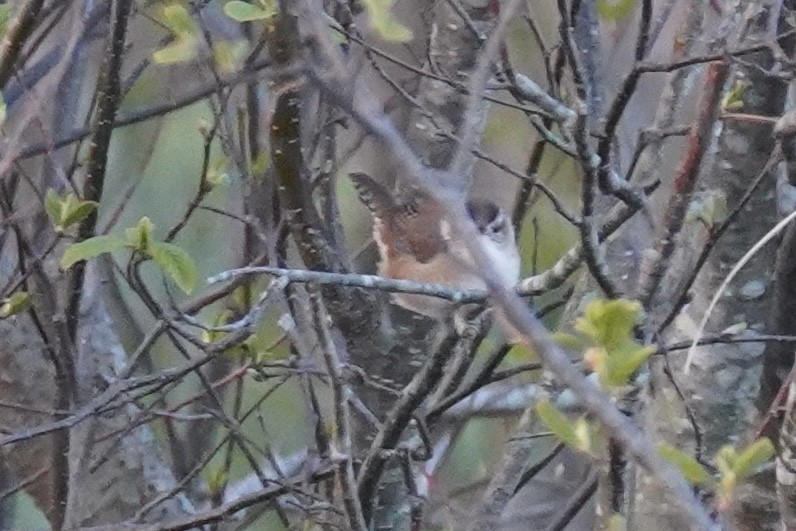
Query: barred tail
[{"x": 373, "y": 195}]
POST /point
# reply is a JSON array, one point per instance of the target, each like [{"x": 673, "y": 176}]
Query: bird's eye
[{"x": 494, "y": 228}]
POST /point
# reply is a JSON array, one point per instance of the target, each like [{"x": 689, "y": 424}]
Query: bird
[{"x": 415, "y": 242}]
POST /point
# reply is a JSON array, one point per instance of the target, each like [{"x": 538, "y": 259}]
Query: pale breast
[{"x": 443, "y": 270}]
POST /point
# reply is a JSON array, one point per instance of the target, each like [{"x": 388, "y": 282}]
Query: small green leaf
[
  {"x": 176, "y": 263},
  {"x": 221, "y": 318},
  {"x": 606, "y": 334},
  {"x": 138, "y": 237},
  {"x": 569, "y": 341},
  {"x": 90, "y": 248},
  {"x": 708, "y": 207},
  {"x": 583, "y": 431},
  {"x": 182, "y": 50},
  {"x": 178, "y": 20},
  {"x": 65, "y": 212},
  {"x": 52, "y": 204},
  {"x": 383, "y": 21},
  {"x": 609, "y": 323},
  {"x": 183, "y": 28},
  {"x": 241, "y": 298},
  {"x": 615, "y": 10},
  {"x": 752, "y": 457},
  {"x": 246, "y": 12},
  {"x": 735, "y": 329},
  {"x": 622, "y": 364},
  {"x": 734, "y": 99},
  {"x": 694, "y": 472},
  {"x": 229, "y": 55},
  {"x": 217, "y": 480},
  {"x": 77, "y": 212},
  {"x": 16, "y": 303},
  {"x": 217, "y": 174},
  {"x": 557, "y": 422},
  {"x": 725, "y": 459}
]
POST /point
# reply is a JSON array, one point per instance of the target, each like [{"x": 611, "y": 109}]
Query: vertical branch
[
  {"x": 108, "y": 100},
  {"x": 397, "y": 420},
  {"x": 644, "y": 30},
  {"x": 288, "y": 154},
  {"x": 588, "y": 228},
  {"x": 585, "y": 26},
  {"x": 672, "y": 95},
  {"x": 656, "y": 264},
  {"x": 459, "y": 30},
  {"x": 473, "y": 114},
  {"x": 107, "y": 105},
  {"x": 342, "y": 447},
  {"x": 352, "y": 309}
]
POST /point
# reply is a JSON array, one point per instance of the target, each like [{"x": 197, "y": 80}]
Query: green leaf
[
  {"x": 176, "y": 263},
  {"x": 725, "y": 459},
  {"x": 52, "y": 204},
  {"x": 382, "y": 20},
  {"x": 16, "y": 303},
  {"x": 752, "y": 457},
  {"x": 90, "y": 248},
  {"x": 606, "y": 332},
  {"x": 217, "y": 480},
  {"x": 246, "y": 12},
  {"x": 558, "y": 423},
  {"x": 77, "y": 211},
  {"x": 182, "y": 50},
  {"x": 221, "y": 318},
  {"x": 178, "y": 20},
  {"x": 734, "y": 99},
  {"x": 609, "y": 323},
  {"x": 584, "y": 434},
  {"x": 708, "y": 207},
  {"x": 217, "y": 174},
  {"x": 693, "y": 471},
  {"x": 615, "y": 10},
  {"x": 735, "y": 467},
  {"x": 138, "y": 237},
  {"x": 229, "y": 55},
  {"x": 65, "y": 212},
  {"x": 621, "y": 365},
  {"x": 569, "y": 341}
]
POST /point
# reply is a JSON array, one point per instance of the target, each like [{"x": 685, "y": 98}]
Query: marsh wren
[{"x": 416, "y": 242}]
